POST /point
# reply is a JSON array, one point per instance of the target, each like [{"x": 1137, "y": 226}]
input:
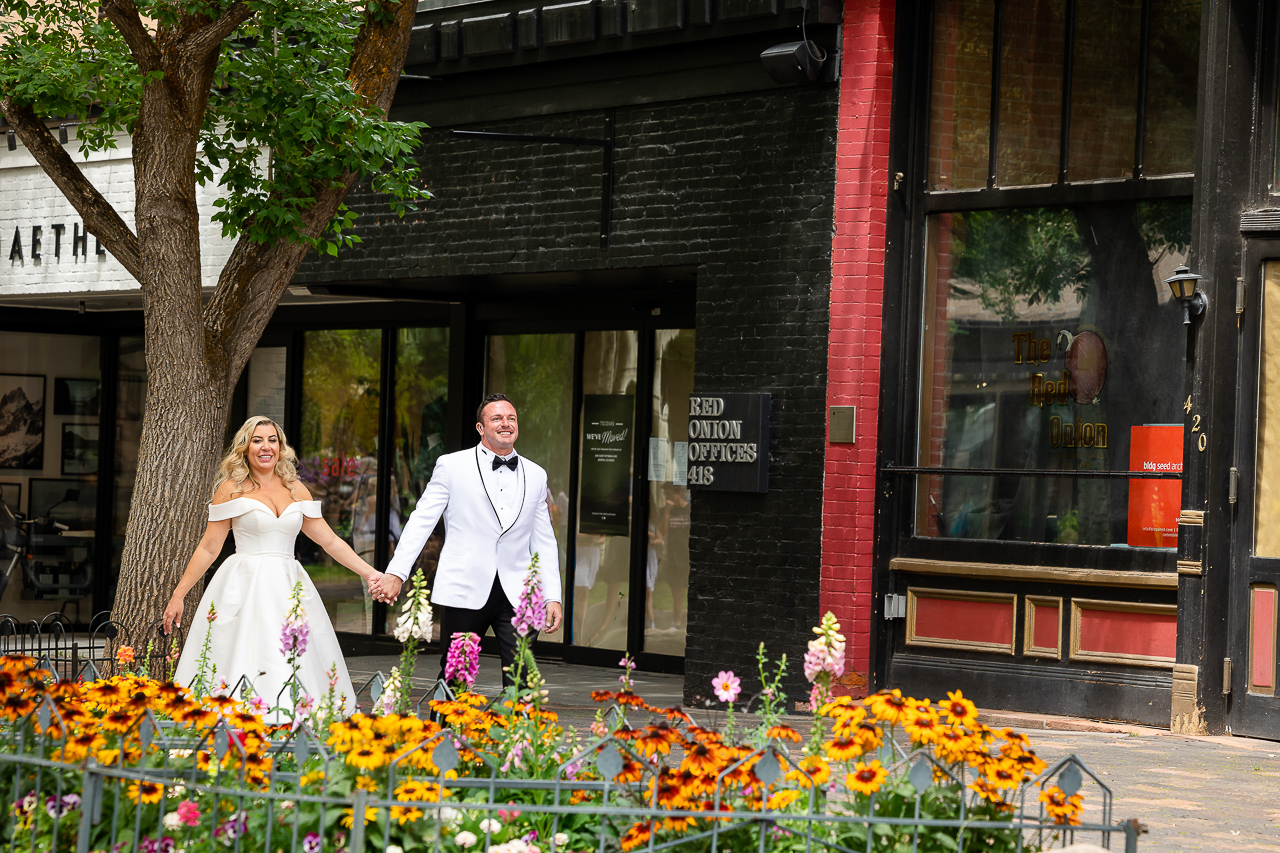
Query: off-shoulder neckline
[{"x": 264, "y": 504}]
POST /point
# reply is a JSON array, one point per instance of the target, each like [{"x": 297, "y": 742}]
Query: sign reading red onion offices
[{"x": 729, "y": 442}]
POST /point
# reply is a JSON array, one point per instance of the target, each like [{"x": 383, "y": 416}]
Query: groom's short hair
[{"x": 492, "y": 398}]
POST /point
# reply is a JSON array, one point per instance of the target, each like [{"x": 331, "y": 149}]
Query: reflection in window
[
  {"x": 1105, "y": 58},
  {"x": 960, "y": 106},
  {"x": 1030, "y": 92},
  {"x": 667, "y": 560},
  {"x": 337, "y": 456},
  {"x": 603, "y": 570},
  {"x": 536, "y": 372},
  {"x": 422, "y": 386},
  {"x": 1050, "y": 341}
]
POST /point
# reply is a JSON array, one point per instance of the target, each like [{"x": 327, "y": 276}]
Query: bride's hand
[{"x": 172, "y": 615}]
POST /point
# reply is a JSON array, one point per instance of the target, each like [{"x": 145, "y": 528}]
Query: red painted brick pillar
[{"x": 857, "y": 290}]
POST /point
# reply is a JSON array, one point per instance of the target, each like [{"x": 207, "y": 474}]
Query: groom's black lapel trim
[{"x": 524, "y": 493}]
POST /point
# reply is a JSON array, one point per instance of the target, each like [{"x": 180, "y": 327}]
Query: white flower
[
  {"x": 172, "y": 821},
  {"x": 447, "y": 814},
  {"x": 561, "y": 839},
  {"x": 465, "y": 838},
  {"x": 490, "y": 825},
  {"x": 395, "y": 848}
]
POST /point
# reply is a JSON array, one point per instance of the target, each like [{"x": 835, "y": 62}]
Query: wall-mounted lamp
[
  {"x": 1183, "y": 285},
  {"x": 795, "y": 62}
]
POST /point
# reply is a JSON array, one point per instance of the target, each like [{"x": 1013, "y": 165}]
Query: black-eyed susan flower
[
  {"x": 866, "y": 778},
  {"x": 367, "y": 757},
  {"x": 843, "y": 750},
  {"x": 145, "y": 792},
  {"x": 638, "y": 834},
  {"x": 959, "y": 710}
]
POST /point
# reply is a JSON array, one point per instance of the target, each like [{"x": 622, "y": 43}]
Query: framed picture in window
[
  {"x": 77, "y": 398},
  {"x": 21, "y": 421},
  {"x": 79, "y": 449}
]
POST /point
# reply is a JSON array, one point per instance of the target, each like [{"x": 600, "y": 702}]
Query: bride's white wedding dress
[{"x": 251, "y": 593}]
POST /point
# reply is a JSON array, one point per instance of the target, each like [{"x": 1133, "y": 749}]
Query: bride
[{"x": 244, "y": 610}]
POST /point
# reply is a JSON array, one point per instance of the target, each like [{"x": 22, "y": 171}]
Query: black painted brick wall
[{"x": 740, "y": 186}]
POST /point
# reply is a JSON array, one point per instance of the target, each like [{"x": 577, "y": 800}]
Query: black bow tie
[{"x": 510, "y": 463}]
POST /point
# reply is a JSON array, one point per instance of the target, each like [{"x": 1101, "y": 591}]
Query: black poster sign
[
  {"x": 605, "y": 505},
  {"x": 729, "y": 442}
]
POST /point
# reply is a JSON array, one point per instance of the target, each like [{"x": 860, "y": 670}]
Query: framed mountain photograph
[{"x": 21, "y": 421}]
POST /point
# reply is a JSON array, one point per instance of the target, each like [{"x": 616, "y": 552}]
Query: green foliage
[{"x": 282, "y": 123}]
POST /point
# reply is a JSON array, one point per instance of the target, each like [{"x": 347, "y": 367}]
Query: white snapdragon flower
[
  {"x": 465, "y": 839},
  {"x": 490, "y": 825},
  {"x": 561, "y": 839}
]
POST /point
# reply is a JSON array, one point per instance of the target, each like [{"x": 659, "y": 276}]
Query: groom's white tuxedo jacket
[{"x": 476, "y": 545}]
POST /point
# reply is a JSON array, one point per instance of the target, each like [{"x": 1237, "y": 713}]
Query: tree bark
[{"x": 194, "y": 354}]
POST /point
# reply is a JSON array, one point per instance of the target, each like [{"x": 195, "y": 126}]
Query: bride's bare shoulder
[
  {"x": 225, "y": 492},
  {"x": 299, "y": 492}
]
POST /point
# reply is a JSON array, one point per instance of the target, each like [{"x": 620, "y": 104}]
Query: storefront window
[
  {"x": 603, "y": 569},
  {"x": 667, "y": 559},
  {"x": 50, "y": 386},
  {"x": 131, "y": 400},
  {"x": 536, "y": 372},
  {"x": 338, "y": 462},
  {"x": 1050, "y": 343},
  {"x": 422, "y": 397},
  {"x": 1109, "y": 125}
]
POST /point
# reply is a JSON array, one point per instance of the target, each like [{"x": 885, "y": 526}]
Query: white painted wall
[{"x": 28, "y": 198}]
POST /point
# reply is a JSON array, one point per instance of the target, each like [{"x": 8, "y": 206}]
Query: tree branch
[
  {"x": 98, "y": 214},
  {"x": 256, "y": 277},
  {"x": 125, "y": 16},
  {"x": 205, "y": 40}
]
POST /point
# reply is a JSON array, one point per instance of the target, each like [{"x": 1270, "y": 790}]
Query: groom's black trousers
[{"x": 497, "y": 613}]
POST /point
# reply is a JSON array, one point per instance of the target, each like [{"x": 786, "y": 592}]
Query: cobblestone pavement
[{"x": 1208, "y": 793}]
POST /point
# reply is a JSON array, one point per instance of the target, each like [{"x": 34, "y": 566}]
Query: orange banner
[{"x": 1154, "y": 504}]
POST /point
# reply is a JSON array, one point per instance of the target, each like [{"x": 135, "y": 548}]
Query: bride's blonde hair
[{"x": 234, "y": 467}]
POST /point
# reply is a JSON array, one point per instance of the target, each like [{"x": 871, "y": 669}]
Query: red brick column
[{"x": 857, "y": 289}]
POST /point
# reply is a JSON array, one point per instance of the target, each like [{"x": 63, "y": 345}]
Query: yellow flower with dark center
[
  {"x": 221, "y": 704},
  {"x": 983, "y": 787},
  {"x": 813, "y": 769},
  {"x": 118, "y": 721},
  {"x": 18, "y": 705},
  {"x": 890, "y": 706},
  {"x": 866, "y": 778},
  {"x": 247, "y": 721},
  {"x": 1003, "y": 774},
  {"x": 783, "y": 733},
  {"x": 145, "y": 792},
  {"x": 638, "y": 834},
  {"x": 843, "y": 750},
  {"x": 367, "y": 757},
  {"x": 198, "y": 718},
  {"x": 923, "y": 726},
  {"x": 1027, "y": 759},
  {"x": 1063, "y": 809},
  {"x": 367, "y": 783},
  {"x": 782, "y": 799},
  {"x": 107, "y": 757},
  {"x": 405, "y": 814},
  {"x": 959, "y": 710}
]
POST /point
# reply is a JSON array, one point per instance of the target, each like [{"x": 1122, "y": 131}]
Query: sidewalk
[{"x": 1193, "y": 793}]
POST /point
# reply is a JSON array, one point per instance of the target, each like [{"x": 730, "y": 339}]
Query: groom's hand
[
  {"x": 386, "y": 588},
  {"x": 555, "y": 615}
]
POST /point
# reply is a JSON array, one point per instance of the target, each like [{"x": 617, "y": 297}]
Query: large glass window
[
  {"x": 50, "y": 387},
  {"x": 603, "y": 570},
  {"x": 1114, "y": 132},
  {"x": 1050, "y": 343},
  {"x": 338, "y": 461},
  {"x": 419, "y": 423},
  {"x": 536, "y": 372},
  {"x": 667, "y": 559}
]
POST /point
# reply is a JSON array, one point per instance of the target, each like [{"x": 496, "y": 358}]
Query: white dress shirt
[{"x": 505, "y": 487}]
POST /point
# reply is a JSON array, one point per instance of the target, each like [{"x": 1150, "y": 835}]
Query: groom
[{"x": 496, "y": 518}]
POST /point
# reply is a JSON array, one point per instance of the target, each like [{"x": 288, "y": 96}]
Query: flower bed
[{"x": 134, "y": 763}]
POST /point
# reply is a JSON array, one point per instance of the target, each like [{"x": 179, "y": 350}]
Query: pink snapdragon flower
[
  {"x": 463, "y": 660},
  {"x": 727, "y": 686},
  {"x": 189, "y": 813}
]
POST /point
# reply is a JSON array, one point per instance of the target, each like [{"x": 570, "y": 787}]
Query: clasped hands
[{"x": 386, "y": 588}]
